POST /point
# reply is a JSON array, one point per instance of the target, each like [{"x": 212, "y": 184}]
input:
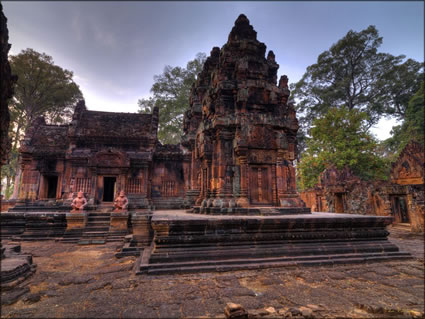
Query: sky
[{"x": 116, "y": 48}]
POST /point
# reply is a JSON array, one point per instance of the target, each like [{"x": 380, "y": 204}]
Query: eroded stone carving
[
  {"x": 121, "y": 202},
  {"x": 79, "y": 203}
]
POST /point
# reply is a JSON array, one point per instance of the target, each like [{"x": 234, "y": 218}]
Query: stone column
[
  {"x": 243, "y": 199},
  {"x": 76, "y": 221},
  {"x": 280, "y": 176},
  {"x": 142, "y": 228},
  {"x": 118, "y": 221}
]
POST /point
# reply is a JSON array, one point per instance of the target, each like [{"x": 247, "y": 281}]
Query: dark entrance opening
[
  {"x": 399, "y": 208},
  {"x": 108, "y": 189},
  {"x": 52, "y": 185},
  {"x": 339, "y": 203}
]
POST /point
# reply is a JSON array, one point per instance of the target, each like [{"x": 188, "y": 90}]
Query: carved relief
[
  {"x": 262, "y": 156},
  {"x": 261, "y": 137},
  {"x": 110, "y": 158}
]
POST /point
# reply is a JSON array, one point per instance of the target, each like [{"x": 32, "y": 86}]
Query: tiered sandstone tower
[{"x": 241, "y": 130}]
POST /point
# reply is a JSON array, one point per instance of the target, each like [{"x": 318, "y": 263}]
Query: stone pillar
[
  {"x": 142, "y": 228},
  {"x": 280, "y": 176},
  {"x": 76, "y": 221},
  {"x": 194, "y": 182},
  {"x": 243, "y": 199},
  {"x": 94, "y": 181},
  {"x": 118, "y": 221}
]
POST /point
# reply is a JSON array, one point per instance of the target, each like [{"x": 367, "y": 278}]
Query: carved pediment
[
  {"x": 409, "y": 167},
  {"x": 262, "y": 157},
  {"x": 110, "y": 158}
]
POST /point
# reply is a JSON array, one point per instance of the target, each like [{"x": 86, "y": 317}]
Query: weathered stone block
[
  {"x": 142, "y": 228},
  {"x": 75, "y": 220},
  {"x": 119, "y": 221}
]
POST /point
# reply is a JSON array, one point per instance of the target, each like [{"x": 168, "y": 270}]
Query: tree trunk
[
  {"x": 16, "y": 186},
  {"x": 7, "y": 186},
  {"x": 15, "y": 142}
]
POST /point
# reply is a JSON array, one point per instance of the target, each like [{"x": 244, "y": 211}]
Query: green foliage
[
  {"x": 8, "y": 173},
  {"x": 43, "y": 88},
  {"x": 352, "y": 73},
  {"x": 171, "y": 92},
  {"x": 412, "y": 128},
  {"x": 403, "y": 81},
  {"x": 340, "y": 138}
]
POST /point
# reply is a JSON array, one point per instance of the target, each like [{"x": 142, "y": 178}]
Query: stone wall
[
  {"x": 315, "y": 199},
  {"x": 401, "y": 197}
]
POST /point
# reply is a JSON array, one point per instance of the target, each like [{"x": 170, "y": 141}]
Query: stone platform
[
  {"x": 250, "y": 211},
  {"x": 185, "y": 242},
  {"x": 15, "y": 266}
]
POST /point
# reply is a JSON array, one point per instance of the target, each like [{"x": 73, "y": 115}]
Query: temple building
[
  {"x": 100, "y": 153},
  {"x": 402, "y": 196},
  {"x": 234, "y": 164},
  {"x": 237, "y": 149},
  {"x": 240, "y": 128}
]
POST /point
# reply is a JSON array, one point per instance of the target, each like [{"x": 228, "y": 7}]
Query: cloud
[
  {"x": 76, "y": 27},
  {"x": 80, "y": 80},
  {"x": 102, "y": 36}
]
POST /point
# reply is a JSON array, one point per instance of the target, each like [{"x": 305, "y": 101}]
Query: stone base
[
  {"x": 250, "y": 211},
  {"x": 142, "y": 231},
  {"x": 75, "y": 220},
  {"x": 118, "y": 221},
  {"x": 15, "y": 266},
  {"x": 192, "y": 243}
]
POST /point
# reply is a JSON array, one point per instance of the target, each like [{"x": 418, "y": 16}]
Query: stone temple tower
[{"x": 241, "y": 130}]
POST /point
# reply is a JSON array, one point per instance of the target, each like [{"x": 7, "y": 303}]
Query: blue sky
[{"x": 115, "y": 48}]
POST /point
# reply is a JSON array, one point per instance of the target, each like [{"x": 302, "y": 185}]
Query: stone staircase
[
  {"x": 96, "y": 230},
  {"x": 130, "y": 248}
]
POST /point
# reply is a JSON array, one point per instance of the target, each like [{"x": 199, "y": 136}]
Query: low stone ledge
[
  {"x": 75, "y": 220},
  {"x": 142, "y": 228},
  {"x": 119, "y": 221}
]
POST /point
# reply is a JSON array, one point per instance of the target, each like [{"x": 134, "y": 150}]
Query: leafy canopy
[
  {"x": 352, "y": 73},
  {"x": 43, "y": 88},
  {"x": 413, "y": 126},
  {"x": 341, "y": 138},
  {"x": 171, "y": 91}
]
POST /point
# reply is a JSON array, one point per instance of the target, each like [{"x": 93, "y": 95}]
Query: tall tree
[
  {"x": 341, "y": 138},
  {"x": 401, "y": 84},
  {"x": 171, "y": 91},
  {"x": 43, "y": 88},
  {"x": 354, "y": 74},
  {"x": 412, "y": 128}
]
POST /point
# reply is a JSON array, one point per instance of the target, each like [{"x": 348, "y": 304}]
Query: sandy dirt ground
[{"x": 74, "y": 281}]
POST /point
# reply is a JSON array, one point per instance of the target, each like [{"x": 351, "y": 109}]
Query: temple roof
[
  {"x": 111, "y": 124},
  {"x": 50, "y": 138}
]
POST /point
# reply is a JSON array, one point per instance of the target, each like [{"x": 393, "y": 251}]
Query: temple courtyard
[{"x": 90, "y": 282}]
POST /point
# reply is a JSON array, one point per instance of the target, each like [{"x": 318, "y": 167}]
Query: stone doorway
[
  {"x": 52, "y": 186},
  {"x": 399, "y": 209},
  {"x": 108, "y": 188},
  {"x": 339, "y": 202},
  {"x": 259, "y": 185}
]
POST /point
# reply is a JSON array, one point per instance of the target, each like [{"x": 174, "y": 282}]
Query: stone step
[
  {"x": 99, "y": 215},
  {"x": 92, "y": 242},
  {"x": 98, "y": 218},
  {"x": 96, "y": 229},
  {"x": 260, "y": 263}
]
